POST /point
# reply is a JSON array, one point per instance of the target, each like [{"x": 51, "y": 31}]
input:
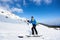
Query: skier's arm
[{"x": 28, "y": 21}]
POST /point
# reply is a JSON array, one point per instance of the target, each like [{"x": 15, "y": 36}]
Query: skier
[{"x": 33, "y": 21}]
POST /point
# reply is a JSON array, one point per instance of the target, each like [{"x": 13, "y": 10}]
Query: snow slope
[
  {"x": 11, "y": 27},
  {"x": 10, "y": 31},
  {"x": 7, "y": 16}
]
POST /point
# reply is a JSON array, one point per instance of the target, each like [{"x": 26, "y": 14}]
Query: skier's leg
[
  {"x": 35, "y": 29},
  {"x": 32, "y": 30}
]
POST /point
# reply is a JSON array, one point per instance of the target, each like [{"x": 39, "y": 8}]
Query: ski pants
[{"x": 34, "y": 29}]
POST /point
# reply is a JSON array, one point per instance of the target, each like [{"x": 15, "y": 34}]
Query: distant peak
[{"x": 10, "y": 14}]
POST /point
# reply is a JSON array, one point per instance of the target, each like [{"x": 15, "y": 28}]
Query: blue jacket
[{"x": 33, "y": 22}]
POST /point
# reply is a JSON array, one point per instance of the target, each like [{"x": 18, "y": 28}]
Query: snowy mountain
[
  {"x": 12, "y": 26},
  {"x": 6, "y": 16}
]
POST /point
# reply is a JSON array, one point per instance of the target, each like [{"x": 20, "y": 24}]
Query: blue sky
[{"x": 43, "y": 10}]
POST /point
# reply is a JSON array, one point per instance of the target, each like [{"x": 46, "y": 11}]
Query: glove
[{"x": 27, "y": 20}]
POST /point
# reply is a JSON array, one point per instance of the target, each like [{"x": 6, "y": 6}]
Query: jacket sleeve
[{"x": 35, "y": 22}]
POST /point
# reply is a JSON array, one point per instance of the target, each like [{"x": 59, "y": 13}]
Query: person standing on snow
[{"x": 33, "y": 21}]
